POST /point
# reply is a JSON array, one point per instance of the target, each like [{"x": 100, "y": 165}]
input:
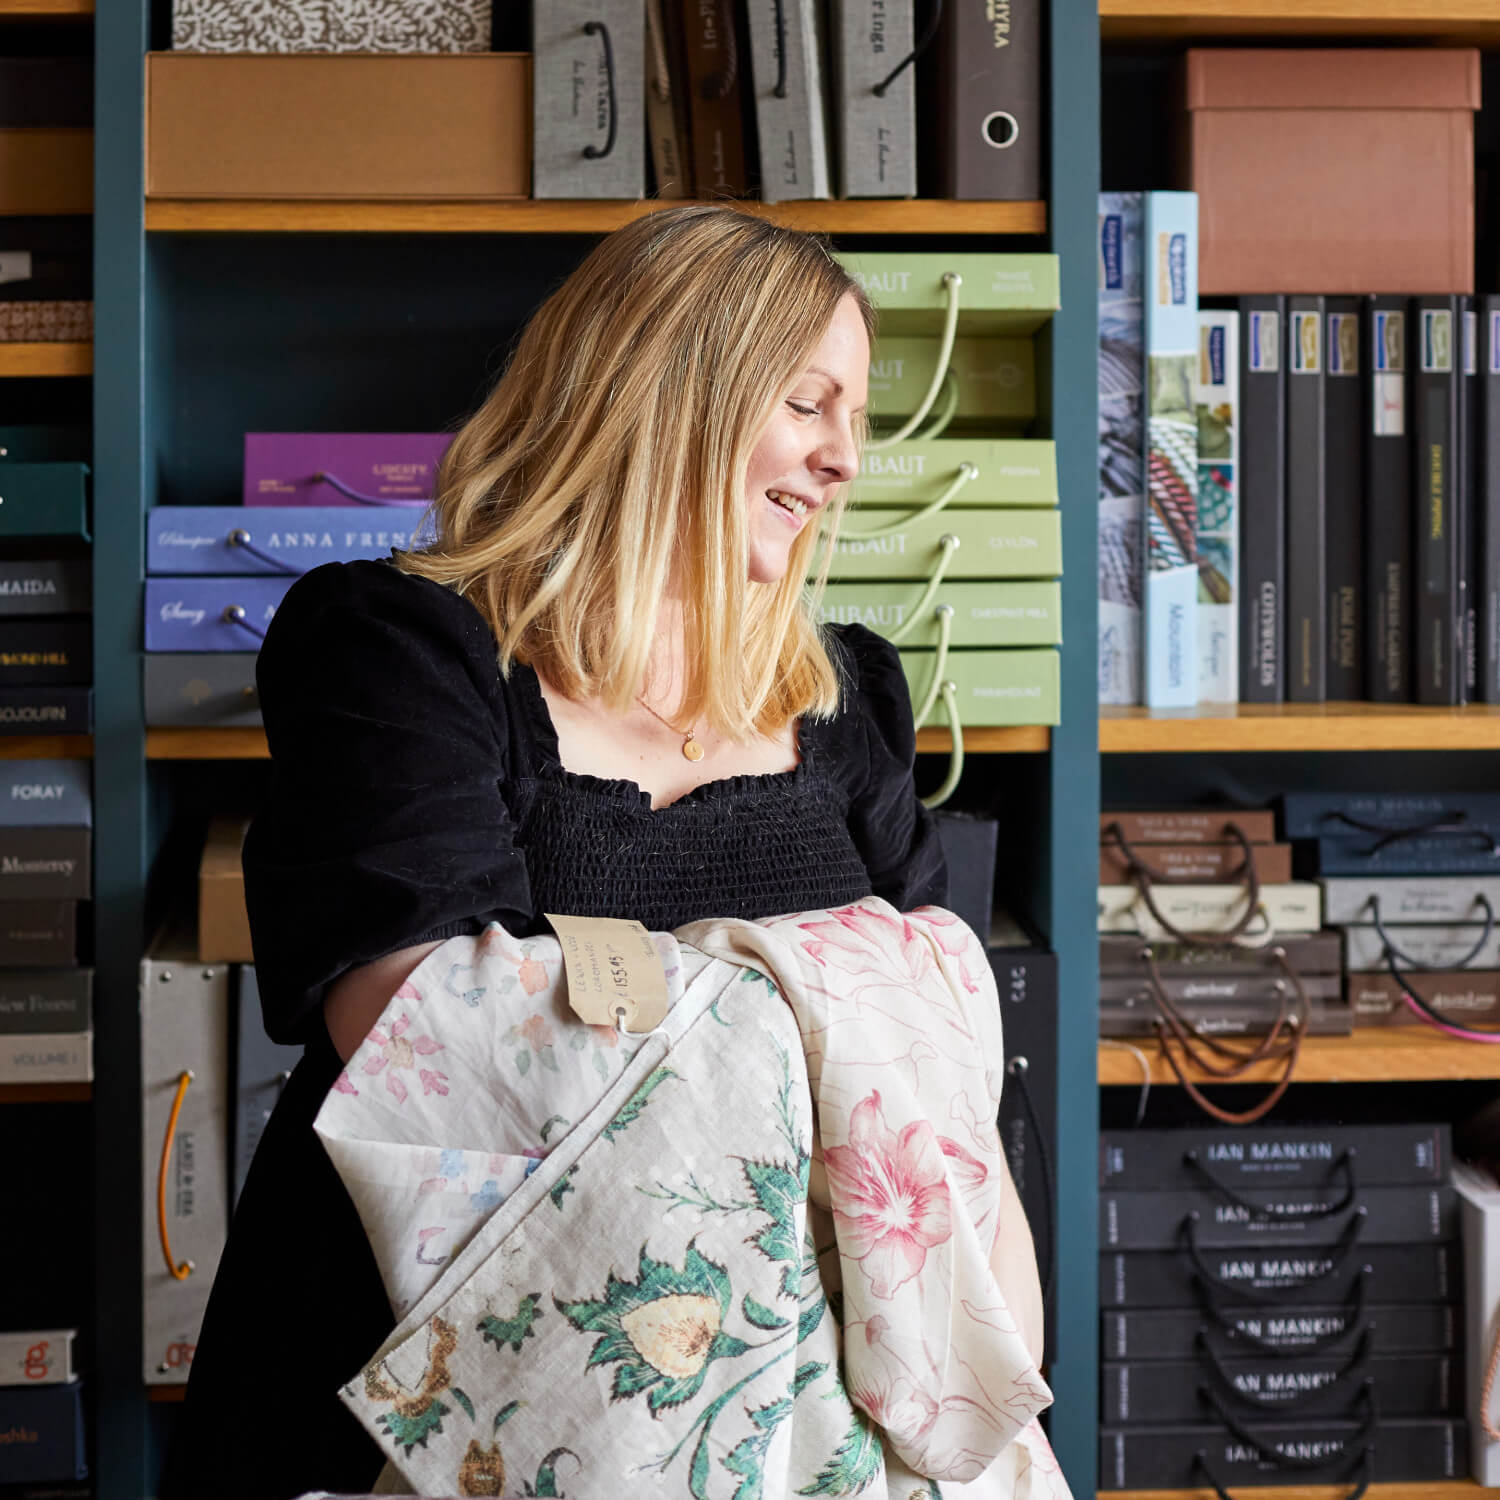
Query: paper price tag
[{"x": 615, "y": 975}]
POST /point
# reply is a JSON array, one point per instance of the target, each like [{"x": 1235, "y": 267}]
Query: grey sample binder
[
  {"x": 790, "y": 109},
  {"x": 588, "y": 99},
  {"x": 47, "y": 586},
  {"x": 201, "y": 688},
  {"x": 875, "y": 135},
  {"x": 261, "y": 1068},
  {"x": 184, "y": 1030}
]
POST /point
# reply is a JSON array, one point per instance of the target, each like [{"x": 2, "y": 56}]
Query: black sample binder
[
  {"x": 1306, "y": 503},
  {"x": 1487, "y": 507},
  {"x": 1388, "y": 524},
  {"x": 1434, "y": 489},
  {"x": 1344, "y": 499},
  {"x": 1466, "y": 486},
  {"x": 1262, "y": 478}
]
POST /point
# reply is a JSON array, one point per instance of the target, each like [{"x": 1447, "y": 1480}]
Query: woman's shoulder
[{"x": 874, "y": 714}]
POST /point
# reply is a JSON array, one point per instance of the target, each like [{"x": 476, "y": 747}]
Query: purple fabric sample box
[
  {"x": 342, "y": 468},
  {"x": 211, "y": 614},
  {"x": 280, "y": 540}
]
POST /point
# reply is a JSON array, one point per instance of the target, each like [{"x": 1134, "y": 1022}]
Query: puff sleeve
[
  {"x": 895, "y": 835},
  {"x": 384, "y": 825}
]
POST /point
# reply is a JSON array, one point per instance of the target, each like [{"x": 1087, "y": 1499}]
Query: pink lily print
[
  {"x": 398, "y": 1055},
  {"x": 845, "y": 938},
  {"x": 890, "y": 1196}
]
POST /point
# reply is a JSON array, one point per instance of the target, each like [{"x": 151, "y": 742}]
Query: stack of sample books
[
  {"x": 41, "y": 1409},
  {"x": 1278, "y": 1307},
  {"x": 46, "y": 633},
  {"x": 952, "y": 543},
  {"x": 46, "y": 839},
  {"x": 46, "y": 279},
  {"x": 1419, "y": 874},
  {"x": 216, "y": 573}
]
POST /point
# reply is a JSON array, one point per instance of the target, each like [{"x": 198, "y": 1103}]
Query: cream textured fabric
[{"x": 632, "y": 1265}]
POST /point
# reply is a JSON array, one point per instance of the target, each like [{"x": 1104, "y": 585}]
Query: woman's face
[{"x": 808, "y": 448}]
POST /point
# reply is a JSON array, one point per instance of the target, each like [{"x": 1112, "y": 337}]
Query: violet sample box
[{"x": 342, "y": 468}]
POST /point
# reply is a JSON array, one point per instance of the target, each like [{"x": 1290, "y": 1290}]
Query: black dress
[{"x": 417, "y": 794}]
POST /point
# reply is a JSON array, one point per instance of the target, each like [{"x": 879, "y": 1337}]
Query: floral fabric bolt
[{"x": 633, "y": 1265}]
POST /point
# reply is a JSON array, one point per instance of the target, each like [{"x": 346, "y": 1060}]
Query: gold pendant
[{"x": 691, "y": 749}]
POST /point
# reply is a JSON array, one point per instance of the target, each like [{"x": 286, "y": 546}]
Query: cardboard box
[
  {"x": 223, "y": 924},
  {"x": 47, "y": 171},
  {"x": 1325, "y": 171},
  {"x": 357, "y": 126}
]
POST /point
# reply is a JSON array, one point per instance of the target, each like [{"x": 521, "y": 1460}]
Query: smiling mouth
[{"x": 792, "y": 503}]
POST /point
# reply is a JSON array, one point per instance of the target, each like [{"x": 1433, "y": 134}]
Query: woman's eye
[{"x": 804, "y": 411}]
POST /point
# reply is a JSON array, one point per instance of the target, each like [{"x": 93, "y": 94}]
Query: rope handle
[
  {"x": 949, "y": 692},
  {"x": 780, "y": 90},
  {"x": 1230, "y": 1117},
  {"x": 1428, "y": 1013},
  {"x": 1353, "y": 1369},
  {"x": 1355, "y": 1318},
  {"x": 1392, "y": 951},
  {"x": 234, "y": 614},
  {"x": 1342, "y": 1252},
  {"x": 1143, "y": 878},
  {"x": 183, "y": 1271},
  {"x": 1453, "y": 824},
  {"x": 944, "y": 418},
  {"x": 967, "y": 473},
  {"x": 924, "y": 709},
  {"x": 952, "y": 281},
  {"x": 591, "y": 151},
  {"x": 334, "y": 482},
  {"x": 923, "y": 43},
  {"x": 1344, "y": 1164},
  {"x": 1273, "y": 1456},
  {"x": 240, "y": 538},
  {"x": 948, "y": 545}
]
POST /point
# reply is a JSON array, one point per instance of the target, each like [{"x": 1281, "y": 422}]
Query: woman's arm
[
  {"x": 355, "y": 1000},
  {"x": 1013, "y": 1260}
]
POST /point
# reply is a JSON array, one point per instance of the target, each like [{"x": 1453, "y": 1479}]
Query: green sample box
[
  {"x": 984, "y": 614},
  {"x": 995, "y": 688},
  {"x": 1010, "y": 294},
  {"x": 1000, "y": 471},
  {"x": 998, "y": 542},
  {"x": 43, "y": 499},
  {"x": 996, "y": 380}
]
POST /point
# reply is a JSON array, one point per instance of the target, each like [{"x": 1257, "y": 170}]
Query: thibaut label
[
  {"x": 1389, "y": 352},
  {"x": 1343, "y": 344},
  {"x": 1307, "y": 343},
  {"x": 1111, "y": 260},
  {"x": 615, "y": 974},
  {"x": 1265, "y": 343},
  {"x": 1437, "y": 341}
]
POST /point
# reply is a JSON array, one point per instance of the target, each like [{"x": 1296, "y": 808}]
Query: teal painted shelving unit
[{"x": 214, "y": 319}]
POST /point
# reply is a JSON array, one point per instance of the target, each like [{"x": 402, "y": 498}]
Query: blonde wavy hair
[{"x": 609, "y": 464}]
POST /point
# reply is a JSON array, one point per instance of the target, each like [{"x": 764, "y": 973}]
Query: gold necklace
[{"x": 691, "y": 749}]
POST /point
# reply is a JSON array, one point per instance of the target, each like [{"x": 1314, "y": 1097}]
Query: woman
[{"x": 601, "y": 691}]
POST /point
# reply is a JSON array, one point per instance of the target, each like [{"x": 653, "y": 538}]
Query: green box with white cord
[
  {"x": 994, "y": 689},
  {"x": 976, "y": 470},
  {"x": 991, "y": 544},
  {"x": 983, "y": 613},
  {"x": 991, "y": 383},
  {"x": 996, "y": 294}
]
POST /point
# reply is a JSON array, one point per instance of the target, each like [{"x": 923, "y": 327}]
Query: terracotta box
[
  {"x": 352, "y": 126},
  {"x": 1333, "y": 171}
]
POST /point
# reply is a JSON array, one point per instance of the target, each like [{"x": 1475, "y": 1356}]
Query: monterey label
[{"x": 1111, "y": 273}]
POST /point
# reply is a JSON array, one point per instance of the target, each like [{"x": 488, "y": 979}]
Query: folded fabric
[{"x": 631, "y": 1263}]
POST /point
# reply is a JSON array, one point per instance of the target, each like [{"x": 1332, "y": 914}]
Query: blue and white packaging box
[
  {"x": 286, "y": 541},
  {"x": 211, "y": 614}
]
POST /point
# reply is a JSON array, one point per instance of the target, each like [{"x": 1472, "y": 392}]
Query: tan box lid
[{"x": 1333, "y": 78}]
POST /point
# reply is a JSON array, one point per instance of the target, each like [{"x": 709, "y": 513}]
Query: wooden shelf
[
  {"x": 1298, "y": 726},
  {"x": 988, "y": 741},
  {"x": 206, "y": 744},
  {"x": 44, "y": 10},
  {"x": 46, "y": 747},
  {"x": 46, "y": 359},
  {"x": 1467, "y": 22},
  {"x": 46, "y": 1093},
  {"x": 1372, "y": 1055},
  {"x": 1433, "y": 1489},
  {"x": 544, "y": 216}
]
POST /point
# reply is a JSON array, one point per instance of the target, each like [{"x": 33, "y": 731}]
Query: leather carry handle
[
  {"x": 1305, "y": 1290},
  {"x": 591, "y": 151},
  {"x": 178, "y": 1272},
  {"x": 1344, "y": 1164},
  {"x": 1143, "y": 878},
  {"x": 1355, "y": 1320},
  {"x": 1352, "y": 1371}
]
